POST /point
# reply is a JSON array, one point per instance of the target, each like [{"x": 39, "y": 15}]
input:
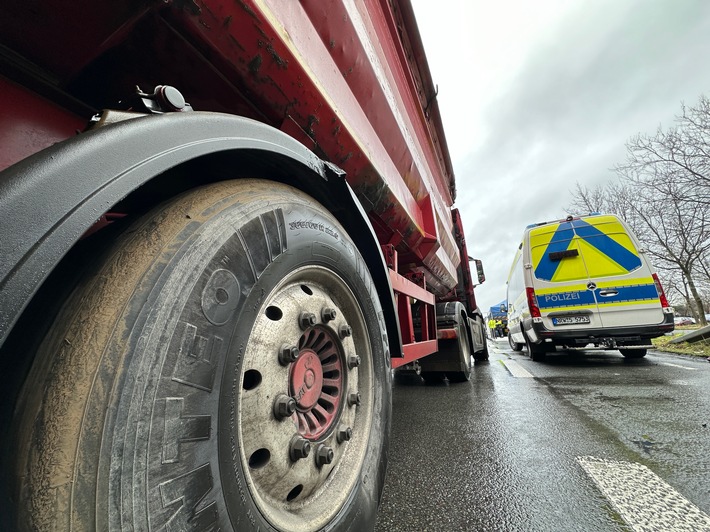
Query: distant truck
[
  {"x": 223, "y": 225},
  {"x": 584, "y": 281},
  {"x": 498, "y": 311}
]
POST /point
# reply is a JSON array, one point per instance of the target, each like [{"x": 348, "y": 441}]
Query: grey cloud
[{"x": 609, "y": 70}]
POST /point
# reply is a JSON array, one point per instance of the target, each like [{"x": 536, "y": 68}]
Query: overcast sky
[{"x": 538, "y": 95}]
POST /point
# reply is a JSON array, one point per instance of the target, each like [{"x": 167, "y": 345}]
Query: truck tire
[
  {"x": 463, "y": 350},
  {"x": 166, "y": 394},
  {"x": 455, "y": 355},
  {"x": 453, "y": 359},
  {"x": 482, "y": 355}
]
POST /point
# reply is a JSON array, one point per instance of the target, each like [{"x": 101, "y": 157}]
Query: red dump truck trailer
[{"x": 224, "y": 224}]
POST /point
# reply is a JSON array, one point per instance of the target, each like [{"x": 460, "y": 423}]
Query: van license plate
[{"x": 570, "y": 320}]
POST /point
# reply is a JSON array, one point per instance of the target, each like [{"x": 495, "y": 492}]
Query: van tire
[
  {"x": 534, "y": 351},
  {"x": 633, "y": 353},
  {"x": 515, "y": 346}
]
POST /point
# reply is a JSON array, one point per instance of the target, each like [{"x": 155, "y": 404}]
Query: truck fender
[{"x": 51, "y": 199}]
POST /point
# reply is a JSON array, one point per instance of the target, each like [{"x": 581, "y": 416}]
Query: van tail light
[
  {"x": 661, "y": 293},
  {"x": 532, "y": 303}
]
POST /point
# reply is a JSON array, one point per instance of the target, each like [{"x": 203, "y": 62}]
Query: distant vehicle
[
  {"x": 684, "y": 320},
  {"x": 582, "y": 281}
]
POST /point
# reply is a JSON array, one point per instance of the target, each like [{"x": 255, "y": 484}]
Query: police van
[{"x": 584, "y": 282}]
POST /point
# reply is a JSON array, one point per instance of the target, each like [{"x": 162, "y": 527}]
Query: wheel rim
[{"x": 302, "y": 434}]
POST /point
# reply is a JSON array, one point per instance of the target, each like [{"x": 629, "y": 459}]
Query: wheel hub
[
  {"x": 305, "y": 407},
  {"x": 316, "y": 381},
  {"x": 306, "y": 380}
]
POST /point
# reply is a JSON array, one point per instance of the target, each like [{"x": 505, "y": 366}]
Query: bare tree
[
  {"x": 663, "y": 192},
  {"x": 675, "y": 232},
  {"x": 586, "y": 200},
  {"x": 680, "y": 154}
]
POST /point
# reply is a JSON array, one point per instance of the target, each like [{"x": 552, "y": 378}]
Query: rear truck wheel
[
  {"x": 515, "y": 346},
  {"x": 482, "y": 355},
  {"x": 633, "y": 353},
  {"x": 535, "y": 351},
  {"x": 453, "y": 359},
  {"x": 223, "y": 368},
  {"x": 461, "y": 348}
]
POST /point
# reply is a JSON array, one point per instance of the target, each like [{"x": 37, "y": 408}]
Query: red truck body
[
  {"x": 347, "y": 79},
  {"x": 334, "y": 75}
]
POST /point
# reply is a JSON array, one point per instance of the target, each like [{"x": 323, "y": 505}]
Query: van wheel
[
  {"x": 223, "y": 367},
  {"x": 534, "y": 351},
  {"x": 633, "y": 353},
  {"x": 515, "y": 346}
]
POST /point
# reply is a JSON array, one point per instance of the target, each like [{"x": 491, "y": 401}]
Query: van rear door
[
  {"x": 625, "y": 290},
  {"x": 561, "y": 278}
]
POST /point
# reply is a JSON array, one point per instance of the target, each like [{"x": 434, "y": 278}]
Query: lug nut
[
  {"x": 288, "y": 354},
  {"x": 344, "y": 331},
  {"x": 324, "y": 455},
  {"x": 344, "y": 434},
  {"x": 284, "y": 406},
  {"x": 353, "y": 361},
  {"x": 300, "y": 448},
  {"x": 306, "y": 319},
  {"x": 354, "y": 399},
  {"x": 328, "y": 314}
]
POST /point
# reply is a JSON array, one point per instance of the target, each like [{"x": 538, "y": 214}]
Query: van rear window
[
  {"x": 555, "y": 254},
  {"x": 607, "y": 255},
  {"x": 579, "y": 250}
]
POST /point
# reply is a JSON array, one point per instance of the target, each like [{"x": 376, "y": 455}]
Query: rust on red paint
[{"x": 304, "y": 67}]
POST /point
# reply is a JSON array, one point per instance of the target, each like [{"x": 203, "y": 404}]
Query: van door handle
[{"x": 607, "y": 293}]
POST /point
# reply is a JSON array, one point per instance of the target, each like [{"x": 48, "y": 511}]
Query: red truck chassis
[{"x": 311, "y": 128}]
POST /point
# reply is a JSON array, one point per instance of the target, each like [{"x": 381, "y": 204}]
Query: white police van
[{"x": 582, "y": 281}]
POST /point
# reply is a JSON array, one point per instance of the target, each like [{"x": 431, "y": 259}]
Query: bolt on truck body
[{"x": 223, "y": 224}]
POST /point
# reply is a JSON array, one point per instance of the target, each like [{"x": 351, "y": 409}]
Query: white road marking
[
  {"x": 642, "y": 498},
  {"x": 516, "y": 370},
  {"x": 677, "y": 366}
]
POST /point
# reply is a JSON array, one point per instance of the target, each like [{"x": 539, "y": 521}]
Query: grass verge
[{"x": 699, "y": 349}]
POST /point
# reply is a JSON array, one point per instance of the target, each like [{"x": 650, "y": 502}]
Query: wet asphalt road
[{"x": 505, "y": 451}]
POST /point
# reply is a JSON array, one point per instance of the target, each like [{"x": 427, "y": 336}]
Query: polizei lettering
[{"x": 564, "y": 296}]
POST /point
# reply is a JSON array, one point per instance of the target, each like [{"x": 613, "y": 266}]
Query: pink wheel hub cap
[
  {"x": 306, "y": 380},
  {"x": 316, "y": 381}
]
